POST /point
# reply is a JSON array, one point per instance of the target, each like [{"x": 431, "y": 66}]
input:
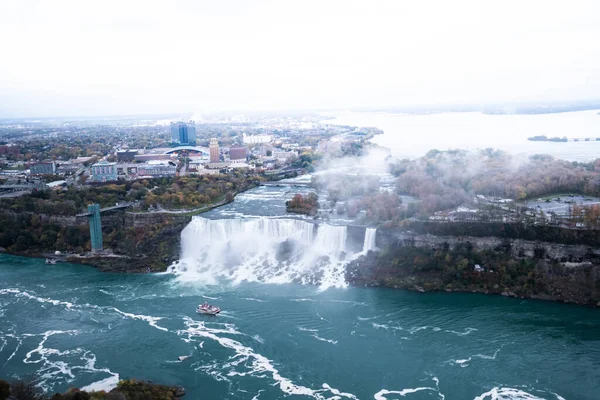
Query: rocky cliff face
[
  {"x": 511, "y": 267},
  {"x": 151, "y": 242},
  {"x": 515, "y": 247}
]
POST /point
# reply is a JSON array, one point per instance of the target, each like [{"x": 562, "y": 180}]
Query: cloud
[{"x": 158, "y": 56}]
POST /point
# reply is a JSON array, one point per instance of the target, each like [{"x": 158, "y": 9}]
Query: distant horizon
[
  {"x": 498, "y": 107},
  {"x": 76, "y": 58}
]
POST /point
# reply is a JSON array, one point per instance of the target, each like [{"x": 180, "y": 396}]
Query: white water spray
[
  {"x": 264, "y": 250},
  {"x": 369, "y": 243}
]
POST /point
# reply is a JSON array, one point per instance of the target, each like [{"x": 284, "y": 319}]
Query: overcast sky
[{"x": 107, "y": 57}]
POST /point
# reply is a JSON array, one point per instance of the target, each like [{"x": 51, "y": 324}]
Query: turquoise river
[{"x": 290, "y": 328}]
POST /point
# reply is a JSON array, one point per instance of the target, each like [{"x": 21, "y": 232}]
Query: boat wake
[{"x": 266, "y": 250}]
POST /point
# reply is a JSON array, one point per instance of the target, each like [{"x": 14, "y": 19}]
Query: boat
[
  {"x": 50, "y": 261},
  {"x": 208, "y": 309}
]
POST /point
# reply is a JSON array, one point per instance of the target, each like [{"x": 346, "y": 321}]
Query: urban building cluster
[{"x": 96, "y": 153}]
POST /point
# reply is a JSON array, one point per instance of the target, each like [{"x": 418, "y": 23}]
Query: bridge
[
  {"x": 105, "y": 210},
  {"x": 22, "y": 186},
  {"x": 290, "y": 184}
]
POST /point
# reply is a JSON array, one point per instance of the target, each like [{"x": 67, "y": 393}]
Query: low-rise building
[
  {"x": 45, "y": 168},
  {"x": 154, "y": 157},
  {"x": 217, "y": 165},
  {"x": 256, "y": 139},
  {"x": 104, "y": 171},
  {"x": 238, "y": 154},
  {"x": 285, "y": 155},
  {"x": 126, "y": 155},
  {"x": 127, "y": 169},
  {"x": 156, "y": 170}
]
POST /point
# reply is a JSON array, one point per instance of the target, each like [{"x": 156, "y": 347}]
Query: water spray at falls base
[{"x": 266, "y": 250}]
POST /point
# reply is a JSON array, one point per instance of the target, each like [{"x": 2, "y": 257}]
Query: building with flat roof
[
  {"x": 45, "y": 168},
  {"x": 154, "y": 156},
  {"x": 126, "y": 155},
  {"x": 156, "y": 170},
  {"x": 238, "y": 154},
  {"x": 104, "y": 171},
  {"x": 217, "y": 165},
  {"x": 256, "y": 139}
]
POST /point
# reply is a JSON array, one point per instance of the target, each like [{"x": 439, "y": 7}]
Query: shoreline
[
  {"x": 509, "y": 294},
  {"x": 422, "y": 287}
]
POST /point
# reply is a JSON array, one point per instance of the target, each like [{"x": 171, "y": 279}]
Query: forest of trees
[
  {"x": 446, "y": 179},
  {"x": 299, "y": 204},
  {"x": 379, "y": 207},
  {"x": 169, "y": 193},
  {"x": 131, "y": 389}
]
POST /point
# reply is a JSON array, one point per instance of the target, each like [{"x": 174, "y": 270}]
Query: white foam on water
[
  {"x": 253, "y": 299},
  {"x": 246, "y": 362},
  {"x": 386, "y": 327},
  {"x": 300, "y": 328},
  {"x": 106, "y": 384},
  {"x": 465, "y": 333},
  {"x": 152, "y": 321},
  {"x": 268, "y": 250},
  {"x": 19, "y": 293},
  {"x": 465, "y": 362},
  {"x": 322, "y": 339},
  {"x": 501, "y": 393},
  {"x": 61, "y": 365},
  {"x": 381, "y": 394}
]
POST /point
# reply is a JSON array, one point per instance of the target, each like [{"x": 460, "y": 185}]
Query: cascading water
[
  {"x": 263, "y": 250},
  {"x": 369, "y": 243}
]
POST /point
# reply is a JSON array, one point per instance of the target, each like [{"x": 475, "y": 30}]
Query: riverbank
[
  {"x": 131, "y": 389},
  {"x": 512, "y": 268}
]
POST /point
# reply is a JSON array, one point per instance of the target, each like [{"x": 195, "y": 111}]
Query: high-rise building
[
  {"x": 183, "y": 133},
  {"x": 214, "y": 150}
]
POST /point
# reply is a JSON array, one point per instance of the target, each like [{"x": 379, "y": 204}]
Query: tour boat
[
  {"x": 208, "y": 309},
  {"x": 50, "y": 261}
]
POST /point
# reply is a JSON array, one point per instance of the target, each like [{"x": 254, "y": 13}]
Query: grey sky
[{"x": 76, "y": 57}]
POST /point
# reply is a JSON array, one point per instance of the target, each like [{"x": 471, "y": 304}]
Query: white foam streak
[
  {"x": 259, "y": 365},
  {"x": 19, "y": 293},
  {"x": 511, "y": 394},
  {"x": 152, "y": 321},
  {"x": 380, "y": 395},
  {"x": 322, "y": 339},
  {"x": 106, "y": 384},
  {"x": 464, "y": 362}
]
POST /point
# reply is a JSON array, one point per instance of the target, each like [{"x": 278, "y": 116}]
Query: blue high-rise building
[{"x": 183, "y": 133}]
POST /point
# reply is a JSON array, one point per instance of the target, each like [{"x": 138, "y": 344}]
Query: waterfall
[
  {"x": 271, "y": 250},
  {"x": 369, "y": 243}
]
